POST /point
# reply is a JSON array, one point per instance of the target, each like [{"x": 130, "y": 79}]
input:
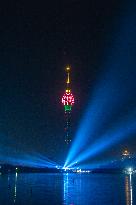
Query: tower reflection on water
[
  {"x": 66, "y": 189},
  {"x": 72, "y": 189},
  {"x": 129, "y": 189}
]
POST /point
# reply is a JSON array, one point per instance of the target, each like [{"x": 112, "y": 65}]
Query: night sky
[{"x": 37, "y": 41}]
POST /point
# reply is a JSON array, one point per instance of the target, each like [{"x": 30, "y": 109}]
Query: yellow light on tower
[
  {"x": 67, "y": 91},
  {"x": 68, "y": 78},
  {"x": 68, "y": 69}
]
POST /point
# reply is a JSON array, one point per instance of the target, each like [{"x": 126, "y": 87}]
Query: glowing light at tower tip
[{"x": 67, "y": 68}]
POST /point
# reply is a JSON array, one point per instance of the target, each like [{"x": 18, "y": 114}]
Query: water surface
[{"x": 67, "y": 189}]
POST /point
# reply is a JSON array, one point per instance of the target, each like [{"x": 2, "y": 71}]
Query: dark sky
[{"x": 37, "y": 41}]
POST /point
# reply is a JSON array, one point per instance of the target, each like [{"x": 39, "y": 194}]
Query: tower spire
[{"x": 68, "y": 75}]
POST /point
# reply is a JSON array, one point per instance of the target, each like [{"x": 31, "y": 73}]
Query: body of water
[{"x": 67, "y": 189}]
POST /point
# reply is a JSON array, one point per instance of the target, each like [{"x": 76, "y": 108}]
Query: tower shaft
[{"x": 67, "y": 127}]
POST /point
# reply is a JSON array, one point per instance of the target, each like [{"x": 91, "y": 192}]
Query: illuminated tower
[{"x": 68, "y": 102}]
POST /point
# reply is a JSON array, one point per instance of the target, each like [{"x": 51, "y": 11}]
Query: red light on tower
[{"x": 68, "y": 101}]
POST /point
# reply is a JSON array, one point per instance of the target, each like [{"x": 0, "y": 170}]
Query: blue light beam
[
  {"x": 114, "y": 90},
  {"x": 112, "y": 137}
]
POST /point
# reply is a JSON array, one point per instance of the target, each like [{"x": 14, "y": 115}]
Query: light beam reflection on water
[{"x": 129, "y": 189}]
